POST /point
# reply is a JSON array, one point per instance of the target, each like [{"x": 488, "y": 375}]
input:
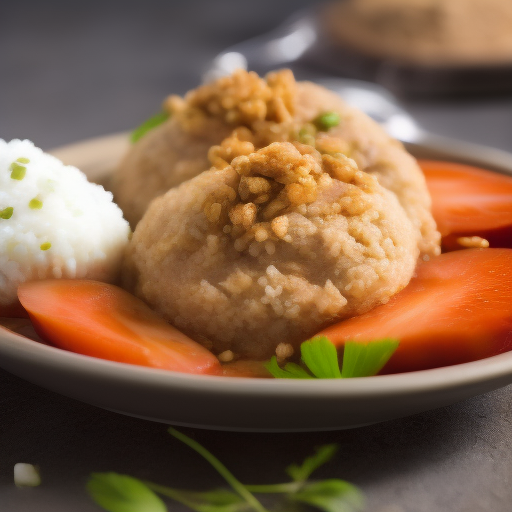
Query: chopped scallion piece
[
  {"x": 327, "y": 120},
  {"x": 290, "y": 370},
  {"x": 35, "y": 204},
  {"x": 320, "y": 357},
  {"x": 45, "y": 246},
  {"x": 365, "y": 359},
  {"x": 17, "y": 171},
  {"x": 23, "y": 160},
  {"x": 148, "y": 125},
  {"x": 6, "y": 213}
]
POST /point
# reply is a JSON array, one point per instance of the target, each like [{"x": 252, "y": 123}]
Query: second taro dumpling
[{"x": 233, "y": 115}]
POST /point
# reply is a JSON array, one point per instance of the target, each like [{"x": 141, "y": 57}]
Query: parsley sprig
[
  {"x": 121, "y": 493},
  {"x": 320, "y": 357}
]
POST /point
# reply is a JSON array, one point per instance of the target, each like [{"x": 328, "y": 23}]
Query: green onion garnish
[
  {"x": 45, "y": 246},
  {"x": 35, "y": 204},
  {"x": 17, "y": 171},
  {"x": 327, "y": 120},
  {"x": 23, "y": 160},
  {"x": 320, "y": 357},
  {"x": 6, "y": 213}
]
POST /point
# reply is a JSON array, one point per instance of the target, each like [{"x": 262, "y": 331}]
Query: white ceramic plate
[{"x": 236, "y": 403}]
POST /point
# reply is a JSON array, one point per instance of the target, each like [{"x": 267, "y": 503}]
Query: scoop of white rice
[{"x": 53, "y": 222}]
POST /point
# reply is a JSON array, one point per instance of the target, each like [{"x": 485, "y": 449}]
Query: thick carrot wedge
[
  {"x": 467, "y": 201},
  {"x": 457, "y": 309},
  {"x": 102, "y": 320}
]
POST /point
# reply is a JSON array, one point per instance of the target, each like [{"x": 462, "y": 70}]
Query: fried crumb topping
[
  {"x": 473, "y": 242},
  {"x": 283, "y": 178},
  {"x": 240, "y": 99}
]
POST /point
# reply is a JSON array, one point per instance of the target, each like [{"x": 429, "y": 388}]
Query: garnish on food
[
  {"x": 327, "y": 120},
  {"x": 35, "y": 204},
  {"x": 148, "y": 125},
  {"x": 121, "y": 493},
  {"x": 17, "y": 171},
  {"x": 6, "y": 213},
  {"x": 320, "y": 357}
]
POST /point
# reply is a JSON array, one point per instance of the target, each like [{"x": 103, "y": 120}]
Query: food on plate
[
  {"x": 457, "y": 308},
  {"x": 102, "y": 320},
  {"x": 472, "y": 207},
  {"x": 53, "y": 223},
  {"x": 427, "y": 32},
  {"x": 237, "y": 114},
  {"x": 271, "y": 248},
  {"x": 275, "y": 212}
]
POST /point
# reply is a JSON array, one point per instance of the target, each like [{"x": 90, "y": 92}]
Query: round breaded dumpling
[
  {"x": 237, "y": 114},
  {"x": 53, "y": 222},
  {"x": 270, "y": 249}
]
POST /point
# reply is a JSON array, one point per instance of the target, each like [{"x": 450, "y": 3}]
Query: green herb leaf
[
  {"x": 218, "y": 500},
  {"x": 235, "y": 484},
  {"x": 331, "y": 495},
  {"x": 367, "y": 359},
  {"x": 321, "y": 359},
  {"x": 323, "y": 454},
  {"x": 148, "y": 125},
  {"x": 320, "y": 356},
  {"x": 120, "y": 493},
  {"x": 290, "y": 371},
  {"x": 327, "y": 120}
]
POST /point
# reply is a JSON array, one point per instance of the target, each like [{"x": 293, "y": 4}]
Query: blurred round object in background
[
  {"x": 422, "y": 46},
  {"x": 427, "y": 32}
]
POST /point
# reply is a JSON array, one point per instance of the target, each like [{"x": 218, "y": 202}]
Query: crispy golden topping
[
  {"x": 240, "y": 142},
  {"x": 281, "y": 179},
  {"x": 284, "y": 351},
  {"x": 226, "y": 356},
  {"x": 473, "y": 242},
  {"x": 241, "y": 99}
]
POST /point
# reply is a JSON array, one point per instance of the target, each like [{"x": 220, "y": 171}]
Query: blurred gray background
[{"x": 75, "y": 70}]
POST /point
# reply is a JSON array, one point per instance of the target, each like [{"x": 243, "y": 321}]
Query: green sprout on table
[{"x": 121, "y": 493}]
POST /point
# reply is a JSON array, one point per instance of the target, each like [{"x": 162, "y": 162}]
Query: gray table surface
[{"x": 70, "y": 71}]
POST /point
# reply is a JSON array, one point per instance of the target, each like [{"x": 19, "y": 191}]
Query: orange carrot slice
[
  {"x": 102, "y": 320},
  {"x": 457, "y": 309},
  {"x": 467, "y": 201}
]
